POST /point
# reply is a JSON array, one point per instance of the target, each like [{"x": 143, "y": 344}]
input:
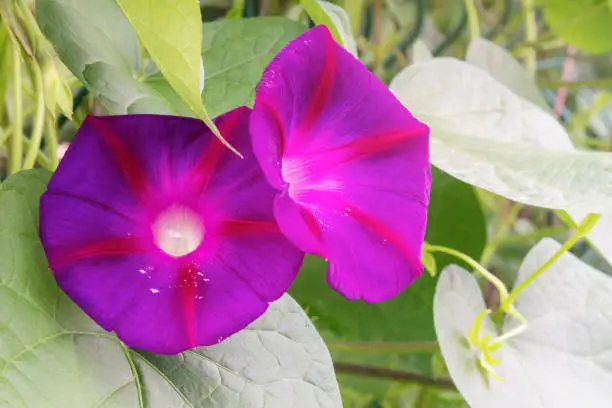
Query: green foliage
[
  {"x": 456, "y": 220},
  {"x": 88, "y": 31},
  {"x": 235, "y": 55},
  {"x": 234, "y": 52},
  {"x": 97, "y": 43},
  {"x": 175, "y": 49},
  {"x": 492, "y": 128},
  {"x": 586, "y": 24},
  {"x": 486, "y": 135},
  {"x": 559, "y": 309},
  {"x": 52, "y": 354}
]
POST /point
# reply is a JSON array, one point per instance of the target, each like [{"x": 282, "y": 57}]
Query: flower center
[{"x": 178, "y": 231}]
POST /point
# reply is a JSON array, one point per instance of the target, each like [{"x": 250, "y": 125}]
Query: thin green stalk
[
  {"x": 16, "y": 142},
  {"x": 385, "y": 346},
  {"x": 51, "y": 143},
  {"x": 585, "y": 226},
  {"x": 4, "y": 136},
  {"x": 538, "y": 234},
  {"x": 394, "y": 375},
  {"x": 423, "y": 397},
  {"x": 494, "y": 280},
  {"x": 39, "y": 116},
  {"x": 501, "y": 231},
  {"x": 544, "y": 43},
  {"x": 589, "y": 142},
  {"x": 472, "y": 14},
  {"x": 354, "y": 8},
  {"x": 586, "y": 83},
  {"x": 5, "y": 67},
  {"x": 41, "y": 157},
  {"x": 566, "y": 219},
  {"x": 531, "y": 35}
]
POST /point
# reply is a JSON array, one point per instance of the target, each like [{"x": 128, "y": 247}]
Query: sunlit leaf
[
  {"x": 53, "y": 355},
  {"x": 586, "y": 24},
  {"x": 171, "y": 31},
  {"x": 560, "y": 361}
]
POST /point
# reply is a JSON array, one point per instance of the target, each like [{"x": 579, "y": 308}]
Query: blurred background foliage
[{"x": 385, "y": 354}]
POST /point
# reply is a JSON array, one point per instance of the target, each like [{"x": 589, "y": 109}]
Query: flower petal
[
  {"x": 350, "y": 163},
  {"x": 102, "y": 244}
]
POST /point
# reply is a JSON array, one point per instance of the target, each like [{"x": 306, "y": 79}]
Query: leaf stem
[
  {"x": 385, "y": 346},
  {"x": 41, "y": 157},
  {"x": 531, "y": 34},
  {"x": 39, "y": 116},
  {"x": 396, "y": 375},
  {"x": 16, "y": 142},
  {"x": 494, "y": 280},
  {"x": 51, "y": 142},
  {"x": 473, "y": 23},
  {"x": 586, "y": 83},
  {"x": 354, "y": 9},
  {"x": 503, "y": 226},
  {"x": 585, "y": 226},
  {"x": 4, "y": 136},
  {"x": 538, "y": 234}
]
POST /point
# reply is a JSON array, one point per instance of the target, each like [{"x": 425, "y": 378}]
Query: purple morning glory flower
[
  {"x": 162, "y": 234},
  {"x": 350, "y": 165}
]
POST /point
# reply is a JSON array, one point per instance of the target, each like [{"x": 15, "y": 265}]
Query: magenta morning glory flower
[
  {"x": 163, "y": 235},
  {"x": 350, "y": 165}
]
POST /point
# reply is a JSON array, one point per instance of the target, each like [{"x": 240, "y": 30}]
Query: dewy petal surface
[
  {"x": 129, "y": 189},
  {"x": 349, "y": 162}
]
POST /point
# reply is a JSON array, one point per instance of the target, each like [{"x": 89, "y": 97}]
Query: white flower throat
[{"x": 178, "y": 231}]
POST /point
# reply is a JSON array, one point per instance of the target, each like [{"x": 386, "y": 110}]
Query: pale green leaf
[
  {"x": 96, "y": 42},
  {"x": 235, "y": 54},
  {"x": 502, "y": 66},
  {"x": 278, "y": 361},
  {"x": 87, "y": 31},
  {"x": 320, "y": 16},
  {"x": 420, "y": 52},
  {"x": 120, "y": 93},
  {"x": 486, "y": 135},
  {"x": 560, "y": 361},
  {"x": 342, "y": 23},
  {"x": 53, "y": 355}
]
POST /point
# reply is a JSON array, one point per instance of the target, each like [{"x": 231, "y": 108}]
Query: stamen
[{"x": 178, "y": 231}]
